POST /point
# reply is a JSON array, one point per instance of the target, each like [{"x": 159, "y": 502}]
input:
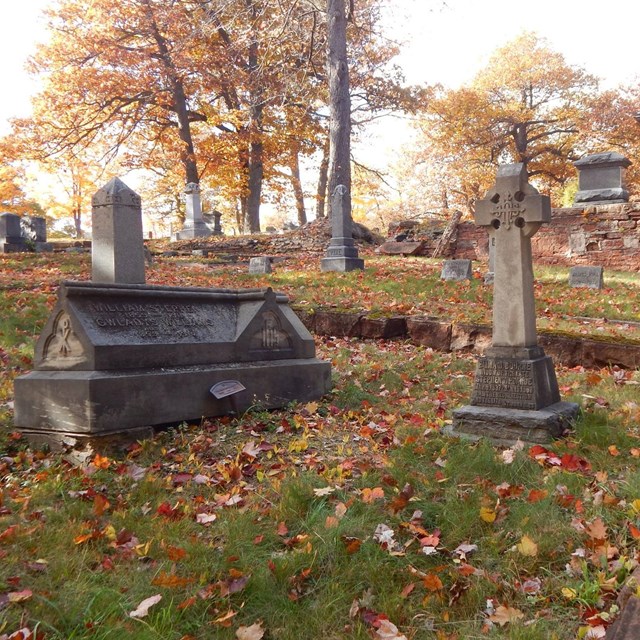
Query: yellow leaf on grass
[
  {"x": 527, "y": 547},
  {"x": 596, "y": 530},
  {"x": 487, "y": 514},
  {"x": 254, "y": 632},
  {"x": 569, "y": 593},
  {"x": 432, "y": 582},
  {"x": 503, "y": 615},
  {"x": 370, "y": 495},
  {"x": 225, "y": 619},
  {"x": 296, "y": 446}
]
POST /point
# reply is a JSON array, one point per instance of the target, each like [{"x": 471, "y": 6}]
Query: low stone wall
[
  {"x": 442, "y": 335},
  {"x": 606, "y": 236}
]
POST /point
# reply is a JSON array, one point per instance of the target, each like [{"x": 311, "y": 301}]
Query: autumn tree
[
  {"x": 614, "y": 125},
  {"x": 235, "y": 91},
  {"x": 13, "y": 197},
  {"x": 528, "y": 105}
]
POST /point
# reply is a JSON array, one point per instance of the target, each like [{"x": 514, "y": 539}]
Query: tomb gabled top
[
  {"x": 120, "y": 327},
  {"x": 118, "y": 193}
]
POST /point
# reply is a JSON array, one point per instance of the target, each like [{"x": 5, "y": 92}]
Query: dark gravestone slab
[
  {"x": 120, "y": 357},
  {"x": 590, "y": 277},
  {"x": 34, "y": 230},
  {"x": 11, "y": 239},
  {"x": 456, "y": 270},
  {"x": 515, "y": 383}
]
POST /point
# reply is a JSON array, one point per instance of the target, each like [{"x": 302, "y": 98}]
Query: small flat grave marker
[
  {"x": 456, "y": 270},
  {"x": 589, "y": 277},
  {"x": 261, "y": 264}
]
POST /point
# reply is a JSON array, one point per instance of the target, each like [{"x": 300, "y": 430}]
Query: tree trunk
[
  {"x": 77, "y": 221},
  {"x": 321, "y": 196},
  {"x": 187, "y": 153},
  {"x": 76, "y": 198},
  {"x": 256, "y": 172},
  {"x": 296, "y": 183},
  {"x": 340, "y": 103},
  {"x": 256, "y": 98},
  {"x": 241, "y": 214}
]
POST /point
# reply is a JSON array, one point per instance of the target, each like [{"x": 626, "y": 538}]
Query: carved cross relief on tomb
[
  {"x": 271, "y": 336},
  {"x": 62, "y": 346}
]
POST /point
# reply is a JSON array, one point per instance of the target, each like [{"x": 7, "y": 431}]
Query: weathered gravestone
[
  {"x": 115, "y": 359},
  {"x": 194, "y": 224},
  {"x": 260, "y": 264},
  {"x": 217, "y": 227},
  {"x": 11, "y": 238},
  {"x": 117, "y": 248},
  {"x": 590, "y": 277},
  {"x": 515, "y": 393},
  {"x": 342, "y": 253},
  {"x": 601, "y": 179},
  {"x": 456, "y": 270},
  {"x": 34, "y": 230}
]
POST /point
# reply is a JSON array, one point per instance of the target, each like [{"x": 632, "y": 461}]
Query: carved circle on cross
[{"x": 507, "y": 210}]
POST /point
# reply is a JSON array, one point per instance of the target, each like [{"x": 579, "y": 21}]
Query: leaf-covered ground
[{"x": 351, "y": 517}]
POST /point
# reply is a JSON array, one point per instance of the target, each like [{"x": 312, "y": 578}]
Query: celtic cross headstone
[{"x": 515, "y": 393}]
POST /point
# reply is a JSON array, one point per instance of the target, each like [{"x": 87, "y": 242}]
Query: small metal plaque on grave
[{"x": 226, "y": 388}]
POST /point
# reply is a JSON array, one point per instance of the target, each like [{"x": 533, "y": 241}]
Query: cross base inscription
[{"x": 515, "y": 378}]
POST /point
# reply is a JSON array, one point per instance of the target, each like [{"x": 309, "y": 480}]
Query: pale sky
[{"x": 448, "y": 41}]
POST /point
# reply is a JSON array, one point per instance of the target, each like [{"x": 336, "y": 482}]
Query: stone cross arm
[{"x": 512, "y": 202}]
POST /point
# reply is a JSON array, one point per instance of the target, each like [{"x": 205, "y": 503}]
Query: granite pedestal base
[
  {"x": 506, "y": 426},
  {"x": 342, "y": 264},
  {"x": 189, "y": 233},
  {"x": 53, "y": 405},
  {"x": 515, "y": 397}
]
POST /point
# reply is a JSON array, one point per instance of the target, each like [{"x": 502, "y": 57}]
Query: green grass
[{"x": 293, "y": 545}]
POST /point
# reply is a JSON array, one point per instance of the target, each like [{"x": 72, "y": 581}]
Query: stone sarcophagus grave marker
[
  {"x": 601, "y": 179},
  {"x": 515, "y": 393},
  {"x": 116, "y": 358}
]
